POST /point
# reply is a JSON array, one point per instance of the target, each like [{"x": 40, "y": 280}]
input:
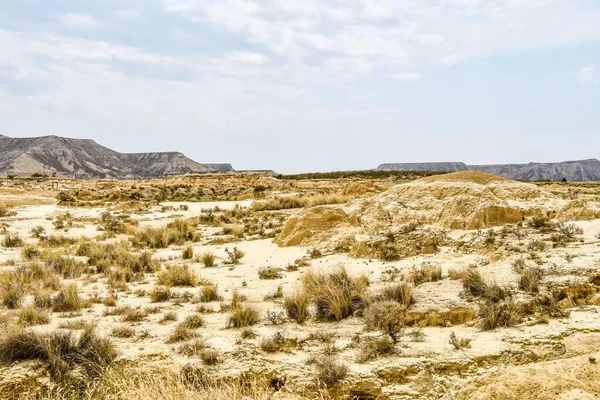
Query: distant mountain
[
  {"x": 86, "y": 159},
  {"x": 582, "y": 170},
  {"x": 433, "y": 166}
]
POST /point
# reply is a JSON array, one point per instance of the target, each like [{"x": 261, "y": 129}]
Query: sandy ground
[{"x": 499, "y": 364}]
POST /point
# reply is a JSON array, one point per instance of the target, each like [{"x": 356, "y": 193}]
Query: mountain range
[
  {"x": 582, "y": 170},
  {"x": 86, "y": 159}
]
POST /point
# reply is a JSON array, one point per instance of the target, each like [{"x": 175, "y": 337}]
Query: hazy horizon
[{"x": 308, "y": 86}]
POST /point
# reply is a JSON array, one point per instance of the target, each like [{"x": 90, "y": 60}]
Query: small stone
[{"x": 592, "y": 360}]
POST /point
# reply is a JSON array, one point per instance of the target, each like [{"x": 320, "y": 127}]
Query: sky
[{"x": 310, "y": 85}]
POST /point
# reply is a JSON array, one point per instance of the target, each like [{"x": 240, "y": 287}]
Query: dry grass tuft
[{"x": 335, "y": 295}]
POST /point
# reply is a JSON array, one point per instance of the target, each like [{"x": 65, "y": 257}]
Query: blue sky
[{"x": 308, "y": 85}]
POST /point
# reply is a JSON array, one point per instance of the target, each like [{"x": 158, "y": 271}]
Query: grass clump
[
  {"x": 31, "y": 315},
  {"x": 499, "y": 315},
  {"x": 68, "y": 300},
  {"x": 210, "y": 293},
  {"x": 268, "y": 273},
  {"x": 208, "y": 259},
  {"x": 62, "y": 351},
  {"x": 176, "y": 232},
  {"x": 330, "y": 371},
  {"x": 426, "y": 273},
  {"x": 188, "y": 253},
  {"x": 387, "y": 317},
  {"x": 177, "y": 276},
  {"x": 193, "y": 321},
  {"x": 181, "y": 334},
  {"x": 373, "y": 348},
  {"x": 335, "y": 295},
  {"x": 459, "y": 343},
  {"x": 400, "y": 293},
  {"x": 475, "y": 285},
  {"x": 12, "y": 241},
  {"x": 243, "y": 316},
  {"x": 161, "y": 294},
  {"x": 296, "y": 306},
  {"x": 530, "y": 278},
  {"x": 123, "y": 332},
  {"x": 234, "y": 256}
]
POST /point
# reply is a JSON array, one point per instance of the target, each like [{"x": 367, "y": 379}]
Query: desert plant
[
  {"x": 123, "y": 332},
  {"x": 401, "y": 293},
  {"x": 193, "y": 321},
  {"x": 208, "y": 259},
  {"x": 494, "y": 315},
  {"x": 296, "y": 306},
  {"x": 31, "y": 315},
  {"x": 372, "y": 348},
  {"x": 475, "y": 285},
  {"x": 335, "y": 295},
  {"x": 30, "y": 252},
  {"x": 161, "y": 294},
  {"x": 530, "y": 278},
  {"x": 210, "y": 293},
  {"x": 193, "y": 348},
  {"x": 62, "y": 351},
  {"x": 459, "y": 343},
  {"x": 180, "y": 334},
  {"x": 12, "y": 241},
  {"x": 330, "y": 371},
  {"x": 210, "y": 356},
  {"x": 177, "y": 275},
  {"x": 38, "y": 232},
  {"x": 387, "y": 317},
  {"x": 188, "y": 253},
  {"x": 243, "y": 316},
  {"x": 235, "y": 255},
  {"x": 269, "y": 273},
  {"x": 426, "y": 273},
  {"x": 133, "y": 315},
  {"x": 68, "y": 299},
  {"x": 5, "y": 211}
]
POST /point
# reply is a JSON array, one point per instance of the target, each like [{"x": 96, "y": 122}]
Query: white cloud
[
  {"x": 77, "y": 20},
  {"x": 394, "y": 34},
  {"x": 407, "y": 76},
  {"x": 587, "y": 75}
]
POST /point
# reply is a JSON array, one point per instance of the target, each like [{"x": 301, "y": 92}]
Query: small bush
[
  {"x": 475, "y": 285},
  {"x": 235, "y": 255},
  {"x": 168, "y": 317},
  {"x": 336, "y": 295},
  {"x": 188, "y": 253},
  {"x": 181, "y": 334},
  {"x": 400, "y": 293},
  {"x": 210, "y": 293},
  {"x": 134, "y": 315},
  {"x": 12, "y": 241},
  {"x": 208, "y": 259},
  {"x": 210, "y": 356},
  {"x": 373, "y": 348},
  {"x": 30, "y": 252},
  {"x": 296, "y": 306},
  {"x": 494, "y": 315},
  {"x": 459, "y": 343},
  {"x": 39, "y": 232},
  {"x": 387, "y": 317},
  {"x": 427, "y": 273},
  {"x": 330, "y": 371},
  {"x": 62, "y": 351},
  {"x": 177, "y": 276},
  {"x": 269, "y": 273},
  {"x": 243, "y": 316},
  {"x": 530, "y": 278},
  {"x": 5, "y": 211},
  {"x": 161, "y": 294},
  {"x": 68, "y": 300},
  {"x": 32, "y": 315},
  {"x": 193, "y": 321},
  {"x": 123, "y": 332},
  {"x": 193, "y": 348}
]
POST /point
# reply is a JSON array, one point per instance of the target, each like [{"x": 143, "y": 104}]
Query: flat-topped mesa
[
  {"x": 431, "y": 166},
  {"x": 86, "y": 159},
  {"x": 577, "y": 171}
]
